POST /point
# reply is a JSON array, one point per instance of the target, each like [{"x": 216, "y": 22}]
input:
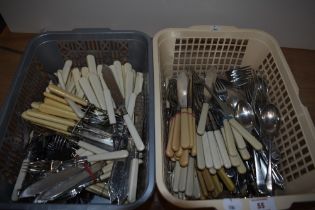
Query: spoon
[
  {"x": 244, "y": 113},
  {"x": 270, "y": 123}
]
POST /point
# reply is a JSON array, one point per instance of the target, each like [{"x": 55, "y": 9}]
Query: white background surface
[{"x": 291, "y": 22}]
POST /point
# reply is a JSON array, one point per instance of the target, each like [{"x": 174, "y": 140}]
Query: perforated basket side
[{"x": 199, "y": 49}]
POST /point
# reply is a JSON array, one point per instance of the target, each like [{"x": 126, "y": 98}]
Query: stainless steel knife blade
[
  {"x": 48, "y": 182},
  {"x": 69, "y": 183}
]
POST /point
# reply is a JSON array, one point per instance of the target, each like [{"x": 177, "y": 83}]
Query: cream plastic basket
[{"x": 199, "y": 48}]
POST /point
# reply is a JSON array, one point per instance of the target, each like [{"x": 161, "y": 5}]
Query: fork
[{"x": 220, "y": 90}]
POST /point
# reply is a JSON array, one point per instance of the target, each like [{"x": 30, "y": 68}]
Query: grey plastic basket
[{"x": 44, "y": 55}]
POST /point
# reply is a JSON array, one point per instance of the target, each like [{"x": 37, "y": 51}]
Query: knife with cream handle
[
  {"x": 76, "y": 109},
  {"x": 88, "y": 91},
  {"x": 76, "y": 74},
  {"x": 66, "y": 70},
  {"x": 120, "y": 102},
  {"x": 90, "y": 59},
  {"x": 98, "y": 90}
]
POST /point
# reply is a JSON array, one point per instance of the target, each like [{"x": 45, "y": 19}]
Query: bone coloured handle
[
  {"x": 55, "y": 98},
  {"x": 241, "y": 169},
  {"x": 196, "y": 189},
  {"x": 90, "y": 59},
  {"x": 214, "y": 150},
  {"x": 98, "y": 90},
  {"x": 45, "y": 122},
  {"x": 131, "y": 104},
  {"x": 58, "y": 91},
  {"x": 108, "y": 156},
  {"x": 176, "y": 177},
  {"x": 76, "y": 74},
  {"x": 202, "y": 184},
  {"x": 184, "y": 129},
  {"x": 91, "y": 147},
  {"x": 134, "y": 133},
  {"x": 247, "y": 136},
  {"x": 191, "y": 128},
  {"x": 200, "y": 155},
  {"x": 57, "y": 104},
  {"x": 208, "y": 181},
  {"x": 222, "y": 149},
  {"x": 184, "y": 158},
  {"x": 176, "y": 134},
  {"x": 109, "y": 106},
  {"x": 182, "y": 179},
  {"x": 66, "y": 70},
  {"x": 194, "y": 137},
  {"x": 51, "y": 118},
  {"x": 244, "y": 153},
  {"x": 169, "y": 152},
  {"x": 226, "y": 180},
  {"x": 207, "y": 151},
  {"x": 133, "y": 180},
  {"x": 88, "y": 91},
  {"x": 230, "y": 142},
  {"x": 203, "y": 118},
  {"x": 54, "y": 111},
  {"x": 190, "y": 177},
  {"x": 217, "y": 184},
  {"x": 240, "y": 143}
]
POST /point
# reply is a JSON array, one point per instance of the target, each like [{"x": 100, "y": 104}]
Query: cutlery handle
[
  {"x": 109, "y": 106},
  {"x": 45, "y": 122},
  {"x": 179, "y": 153},
  {"x": 74, "y": 107},
  {"x": 202, "y": 184},
  {"x": 57, "y": 104},
  {"x": 230, "y": 142},
  {"x": 200, "y": 155},
  {"x": 118, "y": 73},
  {"x": 212, "y": 170},
  {"x": 244, "y": 154},
  {"x": 194, "y": 137},
  {"x": 91, "y": 147},
  {"x": 190, "y": 127},
  {"x": 222, "y": 149},
  {"x": 98, "y": 90},
  {"x": 134, "y": 133},
  {"x": 207, "y": 151},
  {"x": 54, "y": 111},
  {"x": 177, "y": 170},
  {"x": 108, "y": 156},
  {"x": 88, "y": 91},
  {"x": 131, "y": 104},
  {"x": 226, "y": 180},
  {"x": 241, "y": 169},
  {"x": 203, "y": 119},
  {"x": 65, "y": 94},
  {"x": 176, "y": 135},
  {"x": 184, "y": 129},
  {"x": 50, "y": 118},
  {"x": 55, "y": 98},
  {"x": 66, "y": 70},
  {"x": 129, "y": 86},
  {"x": 91, "y": 63},
  {"x": 217, "y": 184},
  {"x": 182, "y": 179},
  {"x": 184, "y": 158},
  {"x": 169, "y": 152},
  {"x": 240, "y": 143},
  {"x": 133, "y": 180},
  {"x": 190, "y": 177},
  {"x": 217, "y": 163},
  {"x": 208, "y": 181},
  {"x": 196, "y": 189},
  {"x": 76, "y": 74},
  {"x": 247, "y": 136}
]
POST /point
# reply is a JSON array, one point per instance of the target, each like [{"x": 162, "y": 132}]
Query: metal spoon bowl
[{"x": 244, "y": 113}]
